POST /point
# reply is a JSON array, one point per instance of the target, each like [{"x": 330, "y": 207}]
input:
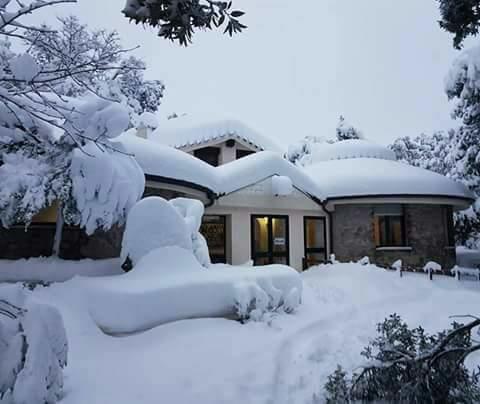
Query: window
[
  {"x": 389, "y": 226},
  {"x": 270, "y": 241},
  {"x": 214, "y": 230},
  {"x": 315, "y": 241},
  {"x": 209, "y": 155},
  {"x": 243, "y": 153}
]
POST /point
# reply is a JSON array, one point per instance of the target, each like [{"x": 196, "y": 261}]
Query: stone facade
[
  {"x": 37, "y": 241},
  {"x": 427, "y": 230}
]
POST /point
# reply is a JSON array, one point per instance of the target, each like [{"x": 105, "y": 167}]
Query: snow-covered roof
[
  {"x": 167, "y": 162},
  {"x": 360, "y": 177},
  {"x": 186, "y": 132},
  {"x": 324, "y": 179},
  {"x": 348, "y": 149}
]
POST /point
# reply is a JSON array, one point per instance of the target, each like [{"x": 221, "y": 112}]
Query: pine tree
[{"x": 345, "y": 131}]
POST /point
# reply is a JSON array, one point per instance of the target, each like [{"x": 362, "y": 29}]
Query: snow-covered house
[{"x": 352, "y": 200}]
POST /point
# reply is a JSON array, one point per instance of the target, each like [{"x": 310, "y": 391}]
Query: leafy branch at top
[{"x": 178, "y": 20}]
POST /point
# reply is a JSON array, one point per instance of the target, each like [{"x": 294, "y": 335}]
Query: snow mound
[
  {"x": 349, "y": 149},
  {"x": 169, "y": 284},
  {"x": 192, "y": 211},
  {"x": 33, "y": 350},
  {"x": 24, "y": 67},
  {"x": 185, "y": 131},
  {"x": 152, "y": 223},
  {"x": 148, "y": 120}
]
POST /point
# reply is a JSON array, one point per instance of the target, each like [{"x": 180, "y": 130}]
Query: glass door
[
  {"x": 270, "y": 241},
  {"x": 315, "y": 241},
  {"x": 214, "y": 230}
]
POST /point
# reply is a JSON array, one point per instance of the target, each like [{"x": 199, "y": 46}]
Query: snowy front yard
[{"x": 284, "y": 359}]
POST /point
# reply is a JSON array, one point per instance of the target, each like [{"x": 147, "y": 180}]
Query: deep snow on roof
[
  {"x": 185, "y": 132},
  {"x": 165, "y": 161},
  {"x": 358, "y": 177},
  {"x": 348, "y": 149},
  {"x": 328, "y": 179}
]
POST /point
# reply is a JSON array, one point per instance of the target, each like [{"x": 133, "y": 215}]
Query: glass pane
[
  {"x": 396, "y": 231},
  {"x": 213, "y": 229},
  {"x": 261, "y": 234},
  {"x": 261, "y": 261},
  {"x": 314, "y": 259},
  {"x": 315, "y": 233},
  {"x": 280, "y": 260},
  {"x": 382, "y": 228},
  {"x": 279, "y": 233}
]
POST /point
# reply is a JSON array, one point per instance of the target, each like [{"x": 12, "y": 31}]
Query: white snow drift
[{"x": 169, "y": 284}]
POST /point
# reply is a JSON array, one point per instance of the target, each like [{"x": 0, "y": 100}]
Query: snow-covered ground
[{"x": 283, "y": 360}]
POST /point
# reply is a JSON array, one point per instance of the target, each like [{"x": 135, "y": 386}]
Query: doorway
[
  {"x": 270, "y": 239},
  {"x": 213, "y": 228},
  {"x": 315, "y": 236}
]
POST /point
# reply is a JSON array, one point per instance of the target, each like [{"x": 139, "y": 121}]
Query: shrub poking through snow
[
  {"x": 409, "y": 366},
  {"x": 33, "y": 350},
  {"x": 337, "y": 387},
  {"x": 432, "y": 267}
]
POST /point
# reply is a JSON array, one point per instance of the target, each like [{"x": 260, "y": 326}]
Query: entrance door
[
  {"x": 270, "y": 241},
  {"x": 214, "y": 230},
  {"x": 315, "y": 241}
]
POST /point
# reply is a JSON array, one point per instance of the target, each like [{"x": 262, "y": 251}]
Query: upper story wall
[{"x": 217, "y": 154}]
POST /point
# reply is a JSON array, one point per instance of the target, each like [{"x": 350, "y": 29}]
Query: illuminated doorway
[{"x": 270, "y": 240}]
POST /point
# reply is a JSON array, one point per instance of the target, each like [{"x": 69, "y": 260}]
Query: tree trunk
[{"x": 58, "y": 231}]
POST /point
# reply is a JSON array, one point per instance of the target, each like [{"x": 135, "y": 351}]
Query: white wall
[{"x": 239, "y": 240}]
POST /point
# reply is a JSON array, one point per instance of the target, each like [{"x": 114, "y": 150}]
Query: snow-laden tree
[
  {"x": 345, "y": 131},
  {"x": 407, "y": 365},
  {"x": 177, "y": 20},
  {"x": 125, "y": 84},
  {"x": 463, "y": 88},
  {"x": 49, "y": 142},
  {"x": 432, "y": 152},
  {"x": 299, "y": 153},
  {"x": 33, "y": 350}
]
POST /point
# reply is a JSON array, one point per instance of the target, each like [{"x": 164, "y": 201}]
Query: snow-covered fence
[{"x": 33, "y": 350}]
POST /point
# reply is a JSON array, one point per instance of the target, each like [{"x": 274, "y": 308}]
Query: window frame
[
  {"x": 314, "y": 250},
  {"x": 387, "y": 217},
  {"x": 270, "y": 253}
]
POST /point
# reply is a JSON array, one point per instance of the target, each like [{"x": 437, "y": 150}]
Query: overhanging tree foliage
[
  {"x": 178, "y": 20},
  {"x": 461, "y": 18},
  {"x": 52, "y": 146}
]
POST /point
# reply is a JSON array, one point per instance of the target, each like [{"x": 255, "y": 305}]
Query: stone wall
[
  {"x": 37, "y": 241},
  {"x": 426, "y": 228}
]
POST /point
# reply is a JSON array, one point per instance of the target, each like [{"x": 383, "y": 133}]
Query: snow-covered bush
[
  {"x": 345, "y": 131},
  {"x": 407, "y": 365},
  {"x": 151, "y": 224},
  {"x": 33, "y": 350}
]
